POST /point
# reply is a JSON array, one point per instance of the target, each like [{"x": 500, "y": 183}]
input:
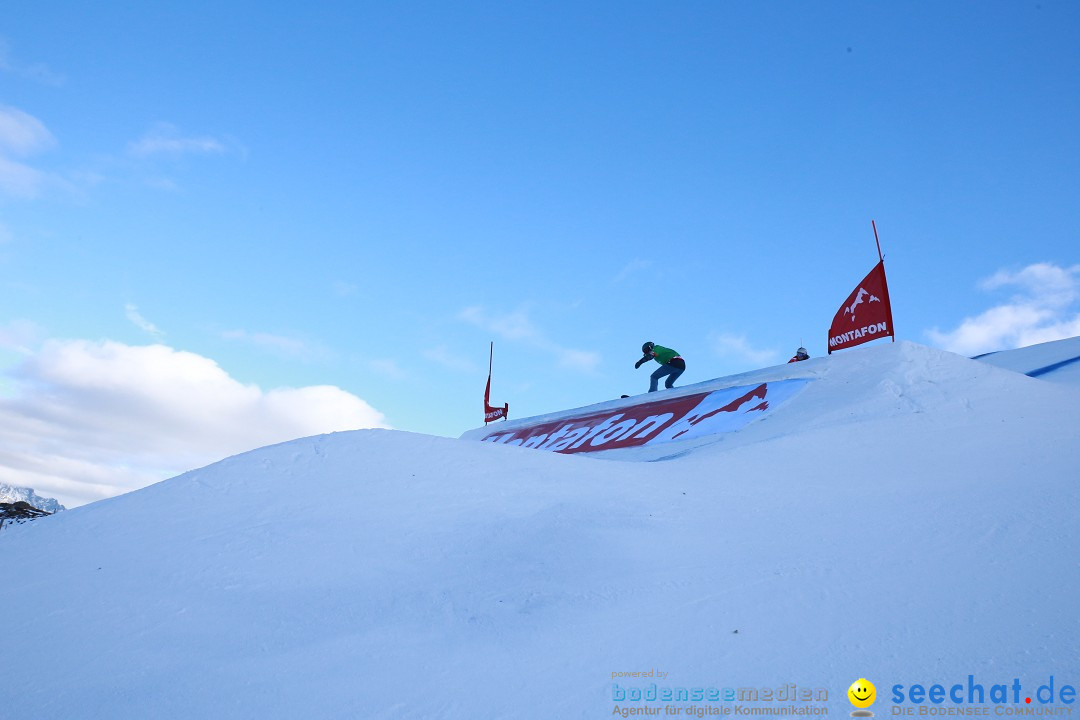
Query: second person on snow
[{"x": 671, "y": 365}]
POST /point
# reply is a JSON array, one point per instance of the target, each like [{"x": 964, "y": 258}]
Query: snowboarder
[
  {"x": 671, "y": 364},
  {"x": 800, "y": 355}
]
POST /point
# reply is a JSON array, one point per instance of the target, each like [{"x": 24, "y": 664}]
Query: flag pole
[
  {"x": 506, "y": 406},
  {"x": 504, "y": 411},
  {"x": 487, "y": 392},
  {"x": 885, "y": 283}
]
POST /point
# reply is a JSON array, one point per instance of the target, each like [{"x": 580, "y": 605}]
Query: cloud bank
[
  {"x": 82, "y": 420},
  {"x": 1045, "y": 306}
]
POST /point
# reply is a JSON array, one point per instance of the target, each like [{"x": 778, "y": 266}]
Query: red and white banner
[
  {"x": 866, "y": 315},
  {"x": 647, "y": 423}
]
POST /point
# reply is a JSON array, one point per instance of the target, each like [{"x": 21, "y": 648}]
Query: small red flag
[
  {"x": 866, "y": 315},
  {"x": 492, "y": 414}
]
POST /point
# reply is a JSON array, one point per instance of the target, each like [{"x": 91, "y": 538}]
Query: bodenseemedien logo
[{"x": 862, "y": 694}]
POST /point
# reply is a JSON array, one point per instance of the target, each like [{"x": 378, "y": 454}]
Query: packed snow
[{"x": 908, "y": 517}]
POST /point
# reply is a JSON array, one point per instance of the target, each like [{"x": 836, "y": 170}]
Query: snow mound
[{"x": 907, "y": 517}]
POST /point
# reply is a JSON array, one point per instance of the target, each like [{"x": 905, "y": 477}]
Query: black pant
[{"x": 674, "y": 368}]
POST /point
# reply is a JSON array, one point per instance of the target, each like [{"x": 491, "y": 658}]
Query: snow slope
[
  {"x": 909, "y": 517},
  {"x": 1057, "y": 361}
]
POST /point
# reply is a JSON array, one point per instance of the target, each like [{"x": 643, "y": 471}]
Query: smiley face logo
[{"x": 862, "y": 693}]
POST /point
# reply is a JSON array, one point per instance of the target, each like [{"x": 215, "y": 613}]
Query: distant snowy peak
[{"x": 12, "y": 494}]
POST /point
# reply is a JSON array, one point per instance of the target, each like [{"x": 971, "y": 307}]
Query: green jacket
[{"x": 663, "y": 355}]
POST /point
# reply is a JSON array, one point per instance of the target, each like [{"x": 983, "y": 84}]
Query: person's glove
[{"x": 638, "y": 363}]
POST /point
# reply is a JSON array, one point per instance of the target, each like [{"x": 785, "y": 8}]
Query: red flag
[
  {"x": 492, "y": 414},
  {"x": 866, "y": 315}
]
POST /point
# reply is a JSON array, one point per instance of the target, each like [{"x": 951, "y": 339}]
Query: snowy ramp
[{"x": 698, "y": 411}]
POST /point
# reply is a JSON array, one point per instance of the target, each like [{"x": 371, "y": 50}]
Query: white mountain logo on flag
[{"x": 858, "y": 301}]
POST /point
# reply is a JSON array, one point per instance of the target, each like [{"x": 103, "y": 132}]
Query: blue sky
[{"x": 362, "y": 195}]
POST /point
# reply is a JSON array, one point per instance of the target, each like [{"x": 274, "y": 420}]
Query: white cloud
[
  {"x": 510, "y": 326},
  {"x": 1043, "y": 308},
  {"x": 1047, "y": 283},
  {"x": 166, "y": 139},
  {"x": 165, "y": 143},
  {"x": 738, "y": 348},
  {"x": 38, "y": 72},
  {"x": 280, "y": 345},
  {"x": 387, "y": 368},
  {"x": 21, "y": 135},
  {"x": 20, "y": 180},
  {"x": 345, "y": 289},
  {"x": 586, "y": 360},
  {"x": 20, "y": 335},
  {"x": 142, "y": 323},
  {"x": 630, "y": 269},
  {"x": 443, "y": 356},
  {"x": 162, "y": 183},
  {"x": 88, "y": 420},
  {"x": 518, "y": 327}
]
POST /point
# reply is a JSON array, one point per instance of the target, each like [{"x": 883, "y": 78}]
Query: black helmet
[{"x": 647, "y": 347}]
